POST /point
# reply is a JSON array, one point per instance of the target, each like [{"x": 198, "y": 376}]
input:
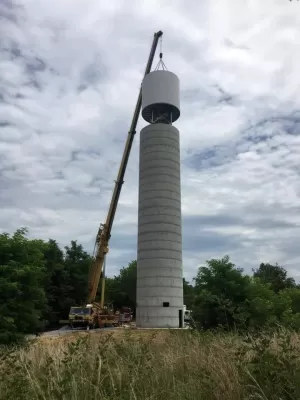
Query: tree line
[{"x": 39, "y": 282}]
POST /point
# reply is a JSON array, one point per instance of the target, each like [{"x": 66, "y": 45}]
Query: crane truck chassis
[{"x": 91, "y": 316}]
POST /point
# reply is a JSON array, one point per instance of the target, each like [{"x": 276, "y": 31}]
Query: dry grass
[{"x": 153, "y": 365}]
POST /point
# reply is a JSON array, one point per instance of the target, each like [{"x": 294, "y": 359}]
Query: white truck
[{"x": 187, "y": 317}]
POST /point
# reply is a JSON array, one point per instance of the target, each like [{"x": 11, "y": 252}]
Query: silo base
[
  {"x": 159, "y": 329},
  {"x": 147, "y": 320}
]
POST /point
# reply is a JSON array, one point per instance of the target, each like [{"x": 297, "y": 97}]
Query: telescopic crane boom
[{"x": 97, "y": 271}]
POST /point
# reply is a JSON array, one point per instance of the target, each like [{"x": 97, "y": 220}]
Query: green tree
[
  {"x": 275, "y": 275},
  {"x": 22, "y": 297},
  {"x": 291, "y": 316},
  {"x": 294, "y": 295},
  {"x": 220, "y": 292},
  {"x": 225, "y": 297},
  {"x": 77, "y": 263},
  {"x": 121, "y": 289},
  {"x": 57, "y": 284},
  {"x": 259, "y": 306},
  {"x": 127, "y": 279},
  {"x": 188, "y": 294}
]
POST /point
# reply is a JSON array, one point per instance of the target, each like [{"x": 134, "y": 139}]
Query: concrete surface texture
[{"x": 159, "y": 259}]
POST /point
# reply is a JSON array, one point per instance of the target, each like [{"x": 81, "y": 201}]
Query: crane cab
[{"x": 81, "y": 317}]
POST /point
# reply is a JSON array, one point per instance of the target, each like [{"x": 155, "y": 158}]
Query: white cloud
[{"x": 69, "y": 79}]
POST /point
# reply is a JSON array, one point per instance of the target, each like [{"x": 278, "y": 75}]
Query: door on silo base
[{"x": 180, "y": 315}]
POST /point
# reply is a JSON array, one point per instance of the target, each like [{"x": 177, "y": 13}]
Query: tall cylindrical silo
[{"x": 159, "y": 260}]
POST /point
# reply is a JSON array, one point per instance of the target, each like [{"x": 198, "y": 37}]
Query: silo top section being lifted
[{"x": 160, "y": 97}]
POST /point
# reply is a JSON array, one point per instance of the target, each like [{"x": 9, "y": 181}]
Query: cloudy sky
[{"x": 70, "y": 71}]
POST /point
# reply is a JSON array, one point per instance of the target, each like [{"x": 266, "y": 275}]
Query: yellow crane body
[{"x": 99, "y": 312}]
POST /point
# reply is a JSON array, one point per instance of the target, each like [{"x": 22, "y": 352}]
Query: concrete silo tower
[{"x": 159, "y": 259}]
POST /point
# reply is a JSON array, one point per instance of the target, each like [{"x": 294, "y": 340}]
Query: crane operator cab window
[{"x": 80, "y": 310}]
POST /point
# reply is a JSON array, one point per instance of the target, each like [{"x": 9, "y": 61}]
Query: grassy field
[{"x": 154, "y": 365}]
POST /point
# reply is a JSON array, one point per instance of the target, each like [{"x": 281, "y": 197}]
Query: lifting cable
[{"x": 160, "y": 62}]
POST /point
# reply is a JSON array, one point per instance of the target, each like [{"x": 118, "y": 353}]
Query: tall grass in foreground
[{"x": 161, "y": 365}]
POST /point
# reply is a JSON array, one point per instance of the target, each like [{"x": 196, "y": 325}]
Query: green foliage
[
  {"x": 39, "y": 282},
  {"x": 188, "y": 294},
  {"x": 225, "y": 297},
  {"x": 275, "y": 275},
  {"x": 259, "y": 305},
  {"x": 22, "y": 298},
  {"x": 221, "y": 291},
  {"x": 56, "y": 284},
  {"x": 121, "y": 289},
  {"x": 274, "y": 365},
  {"x": 77, "y": 264}
]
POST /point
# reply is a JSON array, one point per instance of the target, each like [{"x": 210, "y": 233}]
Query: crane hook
[{"x": 160, "y": 62}]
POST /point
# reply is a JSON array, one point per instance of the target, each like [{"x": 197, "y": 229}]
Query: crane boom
[{"x": 97, "y": 270}]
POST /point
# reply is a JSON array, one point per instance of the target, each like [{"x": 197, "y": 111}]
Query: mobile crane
[{"x": 99, "y": 314}]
